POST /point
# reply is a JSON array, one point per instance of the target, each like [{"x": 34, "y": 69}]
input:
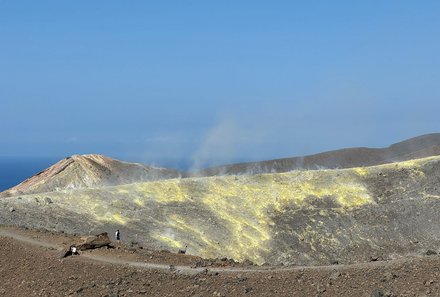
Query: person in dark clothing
[{"x": 118, "y": 235}]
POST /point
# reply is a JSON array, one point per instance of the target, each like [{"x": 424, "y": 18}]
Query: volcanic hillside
[
  {"x": 417, "y": 147},
  {"x": 87, "y": 171},
  {"x": 294, "y": 218}
]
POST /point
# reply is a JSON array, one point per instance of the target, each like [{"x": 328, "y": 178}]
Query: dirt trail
[
  {"x": 179, "y": 269},
  {"x": 28, "y": 267},
  {"x": 187, "y": 269},
  {"x": 28, "y": 240}
]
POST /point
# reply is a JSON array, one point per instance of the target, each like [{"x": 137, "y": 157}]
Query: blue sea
[{"x": 14, "y": 170}]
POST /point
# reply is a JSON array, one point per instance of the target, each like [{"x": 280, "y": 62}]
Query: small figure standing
[
  {"x": 183, "y": 251},
  {"x": 118, "y": 235}
]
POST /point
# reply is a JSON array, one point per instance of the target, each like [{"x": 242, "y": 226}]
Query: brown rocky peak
[{"x": 88, "y": 171}]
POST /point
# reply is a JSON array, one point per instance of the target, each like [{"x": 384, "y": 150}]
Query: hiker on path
[
  {"x": 118, "y": 235},
  {"x": 74, "y": 250}
]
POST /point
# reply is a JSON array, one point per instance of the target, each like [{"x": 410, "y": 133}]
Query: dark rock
[
  {"x": 377, "y": 293},
  {"x": 430, "y": 252},
  {"x": 374, "y": 258}
]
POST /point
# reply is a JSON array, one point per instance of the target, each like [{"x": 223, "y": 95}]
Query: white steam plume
[{"x": 219, "y": 145}]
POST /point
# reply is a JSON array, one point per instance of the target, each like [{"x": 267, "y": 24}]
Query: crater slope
[{"x": 299, "y": 217}]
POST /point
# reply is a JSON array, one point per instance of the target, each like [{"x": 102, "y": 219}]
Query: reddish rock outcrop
[{"x": 88, "y": 171}]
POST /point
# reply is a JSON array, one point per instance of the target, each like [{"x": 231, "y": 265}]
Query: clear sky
[{"x": 196, "y": 82}]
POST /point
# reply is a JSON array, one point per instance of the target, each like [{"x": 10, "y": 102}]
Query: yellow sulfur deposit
[
  {"x": 243, "y": 205},
  {"x": 160, "y": 191},
  {"x": 233, "y": 216},
  {"x": 238, "y": 211},
  {"x": 361, "y": 171}
]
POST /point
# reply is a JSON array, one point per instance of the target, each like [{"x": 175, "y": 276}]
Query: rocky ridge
[
  {"x": 417, "y": 147},
  {"x": 88, "y": 171}
]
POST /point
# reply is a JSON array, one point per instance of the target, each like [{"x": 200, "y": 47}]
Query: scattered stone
[
  {"x": 377, "y": 293},
  {"x": 242, "y": 279},
  {"x": 389, "y": 276},
  {"x": 48, "y": 200},
  {"x": 11, "y": 209},
  {"x": 374, "y": 258},
  {"x": 335, "y": 274},
  {"x": 428, "y": 282},
  {"x": 248, "y": 290},
  {"x": 431, "y": 252},
  {"x": 248, "y": 262},
  {"x": 321, "y": 289}
]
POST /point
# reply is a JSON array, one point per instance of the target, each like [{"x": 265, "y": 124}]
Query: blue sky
[{"x": 200, "y": 82}]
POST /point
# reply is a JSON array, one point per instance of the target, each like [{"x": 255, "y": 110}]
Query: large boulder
[
  {"x": 86, "y": 243},
  {"x": 93, "y": 241}
]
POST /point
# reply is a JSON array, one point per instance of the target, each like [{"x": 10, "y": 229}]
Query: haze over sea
[{"x": 14, "y": 170}]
